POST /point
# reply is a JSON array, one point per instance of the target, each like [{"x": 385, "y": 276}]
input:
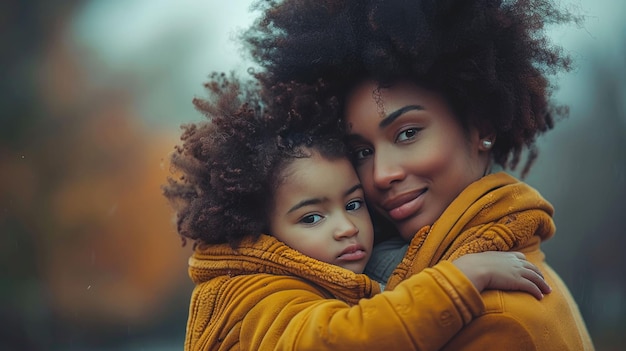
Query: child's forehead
[
  {"x": 315, "y": 163},
  {"x": 316, "y": 177}
]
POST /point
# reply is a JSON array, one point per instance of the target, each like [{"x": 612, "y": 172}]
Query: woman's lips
[{"x": 407, "y": 208}]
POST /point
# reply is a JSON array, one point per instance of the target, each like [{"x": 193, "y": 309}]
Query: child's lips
[{"x": 352, "y": 253}]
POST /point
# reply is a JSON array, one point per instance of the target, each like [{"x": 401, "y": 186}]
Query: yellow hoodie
[
  {"x": 498, "y": 212},
  {"x": 264, "y": 295}
]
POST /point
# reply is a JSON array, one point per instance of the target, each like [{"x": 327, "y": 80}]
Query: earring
[{"x": 487, "y": 144}]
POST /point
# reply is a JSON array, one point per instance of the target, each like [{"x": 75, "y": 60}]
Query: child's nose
[{"x": 345, "y": 228}]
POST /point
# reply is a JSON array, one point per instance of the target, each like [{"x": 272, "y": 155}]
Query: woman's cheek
[{"x": 365, "y": 177}]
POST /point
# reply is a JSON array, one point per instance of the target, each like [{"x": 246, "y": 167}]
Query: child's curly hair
[
  {"x": 227, "y": 169},
  {"x": 489, "y": 58}
]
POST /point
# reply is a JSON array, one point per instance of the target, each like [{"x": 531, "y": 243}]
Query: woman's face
[{"x": 413, "y": 156}]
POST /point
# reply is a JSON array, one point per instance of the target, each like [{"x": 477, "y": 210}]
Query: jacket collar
[
  {"x": 476, "y": 221},
  {"x": 268, "y": 255}
]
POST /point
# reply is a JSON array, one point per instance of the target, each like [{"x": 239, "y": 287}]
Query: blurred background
[{"x": 92, "y": 95}]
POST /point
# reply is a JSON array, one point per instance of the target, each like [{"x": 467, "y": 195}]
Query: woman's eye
[
  {"x": 311, "y": 219},
  {"x": 407, "y": 134},
  {"x": 354, "y": 205},
  {"x": 362, "y": 153}
]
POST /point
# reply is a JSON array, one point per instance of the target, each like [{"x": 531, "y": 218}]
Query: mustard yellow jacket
[
  {"x": 264, "y": 295},
  {"x": 498, "y": 212}
]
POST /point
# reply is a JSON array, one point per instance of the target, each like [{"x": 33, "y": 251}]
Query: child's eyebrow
[
  {"x": 316, "y": 201},
  {"x": 353, "y": 189},
  {"x": 305, "y": 203}
]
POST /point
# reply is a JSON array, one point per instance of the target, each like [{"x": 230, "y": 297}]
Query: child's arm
[{"x": 502, "y": 271}]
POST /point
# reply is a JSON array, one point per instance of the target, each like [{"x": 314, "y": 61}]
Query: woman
[{"x": 432, "y": 94}]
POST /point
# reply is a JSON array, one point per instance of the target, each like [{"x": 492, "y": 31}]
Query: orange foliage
[
  {"x": 88, "y": 186},
  {"x": 120, "y": 258}
]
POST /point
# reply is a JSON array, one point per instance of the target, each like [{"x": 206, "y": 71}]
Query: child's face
[
  {"x": 320, "y": 211},
  {"x": 413, "y": 155}
]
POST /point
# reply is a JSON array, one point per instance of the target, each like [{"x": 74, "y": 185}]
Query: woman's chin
[{"x": 410, "y": 227}]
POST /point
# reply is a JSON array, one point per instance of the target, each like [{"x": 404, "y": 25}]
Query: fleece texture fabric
[
  {"x": 263, "y": 295},
  {"x": 499, "y": 212}
]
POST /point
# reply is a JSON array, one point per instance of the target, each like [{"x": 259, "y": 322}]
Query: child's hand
[{"x": 503, "y": 271}]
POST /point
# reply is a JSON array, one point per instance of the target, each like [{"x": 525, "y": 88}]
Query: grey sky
[{"x": 163, "y": 50}]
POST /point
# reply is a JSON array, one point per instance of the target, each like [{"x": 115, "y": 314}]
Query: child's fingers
[
  {"x": 538, "y": 280},
  {"x": 535, "y": 283},
  {"x": 519, "y": 255},
  {"x": 532, "y": 288},
  {"x": 532, "y": 267}
]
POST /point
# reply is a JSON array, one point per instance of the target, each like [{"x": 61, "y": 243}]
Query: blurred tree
[
  {"x": 88, "y": 241},
  {"x": 598, "y": 268},
  {"x": 23, "y": 28},
  {"x": 582, "y": 171}
]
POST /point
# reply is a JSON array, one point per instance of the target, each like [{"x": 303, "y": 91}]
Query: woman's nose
[{"x": 387, "y": 170}]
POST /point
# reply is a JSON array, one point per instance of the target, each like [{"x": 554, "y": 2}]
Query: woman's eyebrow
[{"x": 397, "y": 113}]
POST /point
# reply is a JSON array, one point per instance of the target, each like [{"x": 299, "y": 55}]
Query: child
[{"x": 300, "y": 287}]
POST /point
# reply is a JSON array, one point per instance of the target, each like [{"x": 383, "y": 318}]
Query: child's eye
[
  {"x": 407, "y": 134},
  {"x": 354, "y": 205},
  {"x": 311, "y": 219}
]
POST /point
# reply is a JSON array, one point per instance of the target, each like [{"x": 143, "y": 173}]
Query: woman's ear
[
  {"x": 485, "y": 144},
  {"x": 486, "y": 140},
  {"x": 481, "y": 141}
]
